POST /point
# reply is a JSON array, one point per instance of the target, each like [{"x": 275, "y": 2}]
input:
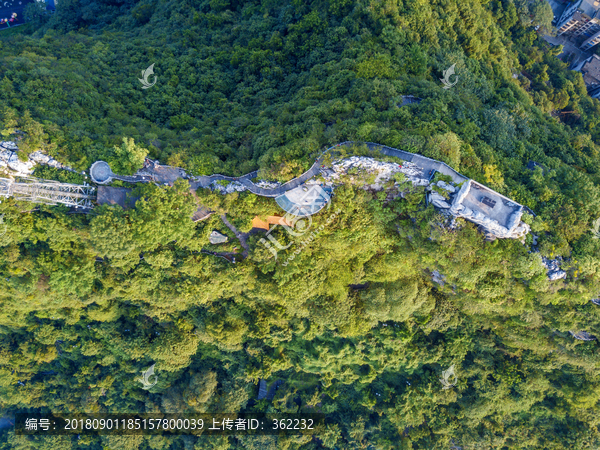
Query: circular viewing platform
[{"x": 100, "y": 172}]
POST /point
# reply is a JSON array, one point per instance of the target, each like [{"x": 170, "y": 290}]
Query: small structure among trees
[
  {"x": 409, "y": 100},
  {"x": 497, "y": 215},
  {"x": 262, "y": 389},
  {"x": 583, "y": 336},
  {"x": 115, "y": 196}
]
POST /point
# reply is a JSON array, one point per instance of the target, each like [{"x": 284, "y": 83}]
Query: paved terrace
[{"x": 500, "y": 210}]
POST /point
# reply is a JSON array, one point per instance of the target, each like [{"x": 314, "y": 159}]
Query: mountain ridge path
[{"x": 428, "y": 166}]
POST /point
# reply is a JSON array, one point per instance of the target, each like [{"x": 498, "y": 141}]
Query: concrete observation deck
[
  {"x": 305, "y": 201},
  {"x": 494, "y": 212}
]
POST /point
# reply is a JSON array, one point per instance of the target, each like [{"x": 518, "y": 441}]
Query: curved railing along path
[
  {"x": 428, "y": 165},
  {"x": 206, "y": 181}
]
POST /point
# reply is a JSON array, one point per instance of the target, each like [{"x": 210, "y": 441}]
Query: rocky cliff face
[
  {"x": 10, "y": 162},
  {"x": 383, "y": 171},
  {"x": 553, "y": 268},
  {"x": 437, "y": 199}
]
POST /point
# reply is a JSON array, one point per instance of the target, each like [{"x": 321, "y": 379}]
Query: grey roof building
[
  {"x": 262, "y": 389},
  {"x": 108, "y": 195},
  {"x": 590, "y": 69},
  {"x": 581, "y": 20},
  {"x": 496, "y": 214}
]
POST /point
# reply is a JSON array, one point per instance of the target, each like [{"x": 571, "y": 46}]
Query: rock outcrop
[
  {"x": 384, "y": 171},
  {"x": 217, "y": 238},
  {"x": 438, "y": 278},
  {"x": 267, "y": 184},
  {"x": 438, "y": 200},
  {"x": 491, "y": 225},
  {"x": 10, "y": 161},
  {"x": 446, "y": 186},
  {"x": 553, "y": 267},
  {"x": 233, "y": 186}
]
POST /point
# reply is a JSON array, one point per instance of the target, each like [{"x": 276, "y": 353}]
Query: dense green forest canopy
[{"x": 89, "y": 301}]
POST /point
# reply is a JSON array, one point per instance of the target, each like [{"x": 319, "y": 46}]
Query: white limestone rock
[
  {"x": 557, "y": 275},
  {"x": 457, "y": 205},
  {"x": 438, "y": 200},
  {"x": 267, "y": 184},
  {"x": 520, "y": 231},
  {"x": 234, "y": 186},
  {"x": 20, "y": 167},
  {"x": 419, "y": 182},
  {"x": 383, "y": 170},
  {"x": 446, "y": 186},
  {"x": 438, "y": 278},
  {"x": 10, "y": 161},
  {"x": 553, "y": 266},
  {"x": 9, "y": 145},
  {"x": 39, "y": 157},
  {"x": 514, "y": 219}
]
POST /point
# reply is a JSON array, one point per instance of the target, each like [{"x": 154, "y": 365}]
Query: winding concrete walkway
[
  {"x": 102, "y": 174},
  {"x": 428, "y": 165},
  {"x": 292, "y": 184}
]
